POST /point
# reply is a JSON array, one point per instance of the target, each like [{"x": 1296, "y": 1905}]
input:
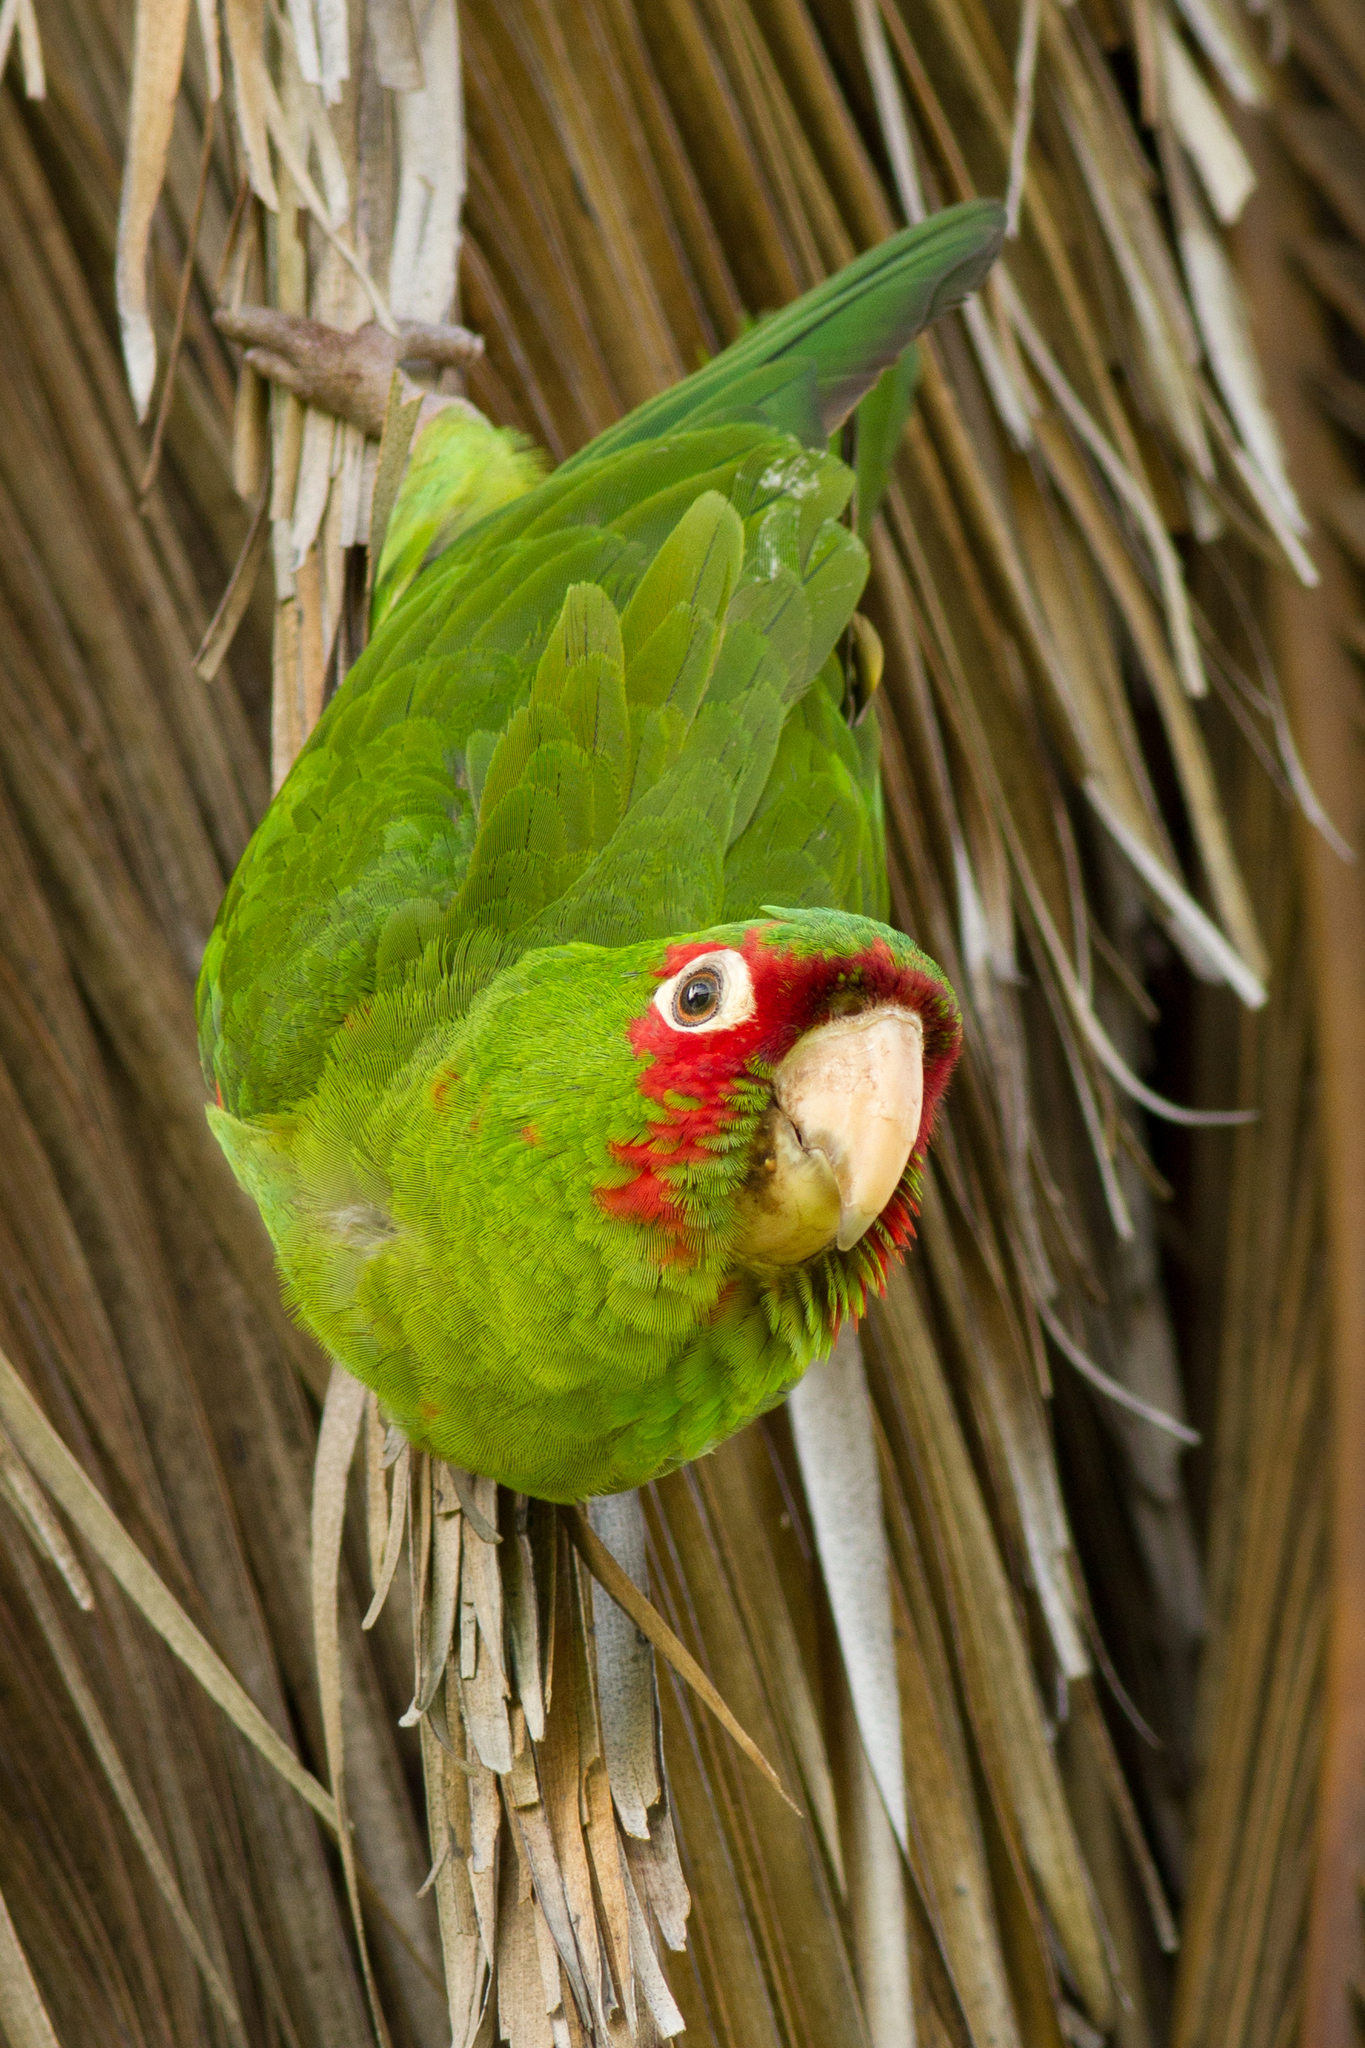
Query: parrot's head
[
  {"x": 633, "y": 1191},
  {"x": 787, "y": 1077}
]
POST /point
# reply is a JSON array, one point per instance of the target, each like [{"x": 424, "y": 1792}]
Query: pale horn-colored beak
[{"x": 853, "y": 1090}]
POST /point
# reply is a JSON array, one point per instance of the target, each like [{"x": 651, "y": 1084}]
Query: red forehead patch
[{"x": 792, "y": 993}]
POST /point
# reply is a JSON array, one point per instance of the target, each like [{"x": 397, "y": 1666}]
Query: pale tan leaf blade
[
  {"x": 29, "y": 1501},
  {"x": 393, "y": 1539},
  {"x": 431, "y": 187},
  {"x": 831, "y": 1417},
  {"x": 19, "y": 15},
  {"x": 1203, "y": 128},
  {"x": 158, "y": 54},
  {"x": 604, "y": 1568},
  {"x": 26, "y": 2021},
  {"x": 877, "y": 1907},
  {"x": 245, "y": 22},
  {"x": 342, "y": 1414},
  {"x": 102, "y": 1742},
  {"x": 49, "y": 1458},
  {"x": 625, "y": 1668}
]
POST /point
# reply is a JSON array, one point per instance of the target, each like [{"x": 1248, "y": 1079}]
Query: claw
[{"x": 345, "y": 373}]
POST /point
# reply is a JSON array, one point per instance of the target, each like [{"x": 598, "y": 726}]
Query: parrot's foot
[{"x": 346, "y": 373}]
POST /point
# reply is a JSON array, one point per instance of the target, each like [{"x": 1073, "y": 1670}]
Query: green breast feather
[{"x": 607, "y": 719}]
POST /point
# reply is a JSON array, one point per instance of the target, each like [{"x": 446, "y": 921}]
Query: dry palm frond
[
  {"x": 1313, "y": 229},
  {"x": 1260, "y": 1728},
  {"x": 885, "y": 1587}
]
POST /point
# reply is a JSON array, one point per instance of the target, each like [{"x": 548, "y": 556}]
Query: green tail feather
[
  {"x": 881, "y": 419},
  {"x": 804, "y": 370}
]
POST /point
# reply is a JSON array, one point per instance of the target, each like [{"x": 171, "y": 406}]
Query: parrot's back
[{"x": 613, "y": 709}]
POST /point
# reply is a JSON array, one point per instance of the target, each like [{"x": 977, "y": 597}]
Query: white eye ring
[{"x": 725, "y": 974}]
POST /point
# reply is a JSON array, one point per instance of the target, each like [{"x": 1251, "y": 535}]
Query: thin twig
[
  {"x": 891, "y": 114},
  {"x": 182, "y": 306},
  {"x": 1113, "y": 1388},
  {"x": 647, "y": 1618},
  {"x": 222, "y": 627},
  {"x": 230, "y": 238},
  {"x": 1025, "y": 65}
]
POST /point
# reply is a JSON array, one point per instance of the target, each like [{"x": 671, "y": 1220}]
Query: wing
[
  {"x": 592, "y": 716},
  {"x": 804, "y": 369},
  {"x": 817, "y": 838},
  {"x": 460, "y": 469},
  {"x": 560, "y": 734}
]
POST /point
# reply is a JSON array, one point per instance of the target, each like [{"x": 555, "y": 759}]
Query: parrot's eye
[
  {"x": 712, "y": 993},
  {"x": 699, "y": 997}
]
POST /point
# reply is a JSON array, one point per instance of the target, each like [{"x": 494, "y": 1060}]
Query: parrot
[{"x": 552, "y": 1017}]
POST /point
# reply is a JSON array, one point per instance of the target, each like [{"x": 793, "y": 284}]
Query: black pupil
[{"x": 698, "y": 997}]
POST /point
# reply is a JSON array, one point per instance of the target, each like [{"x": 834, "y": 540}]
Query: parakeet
[{"x": 552, "y": 1016}]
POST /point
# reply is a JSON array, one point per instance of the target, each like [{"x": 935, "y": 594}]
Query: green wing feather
[
  {"x": 460, "y": 469},
  {"x": 805, "y": 369},
  {"x": 609, "y": 710}
]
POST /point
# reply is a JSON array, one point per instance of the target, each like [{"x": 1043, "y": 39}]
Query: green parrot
[{"x": 552, "y": 1016}]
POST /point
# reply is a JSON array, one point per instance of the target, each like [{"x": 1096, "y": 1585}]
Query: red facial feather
[{"x": 793, "y": 993}]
